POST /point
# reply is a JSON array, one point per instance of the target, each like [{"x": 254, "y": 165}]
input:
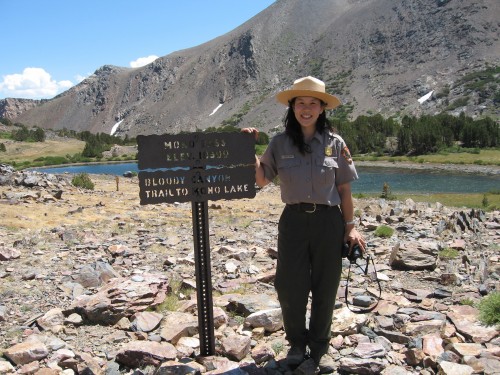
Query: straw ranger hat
[{"x": 308, "y": 86}]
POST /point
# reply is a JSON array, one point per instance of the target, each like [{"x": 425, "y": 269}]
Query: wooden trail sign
[
  {"x": 197, "y": 184},
  {"x": 197, "y": 167},
  {"x": 195, "y": 150}
]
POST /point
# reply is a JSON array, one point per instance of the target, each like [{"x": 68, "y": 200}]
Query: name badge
[{"x": 287, "y": 156}]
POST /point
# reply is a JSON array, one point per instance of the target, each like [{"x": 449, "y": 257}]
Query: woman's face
[{"x": 307, "y": 110}]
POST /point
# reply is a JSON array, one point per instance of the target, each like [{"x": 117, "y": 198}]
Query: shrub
[
  {"x": 457, "y": 103},
  {"x": 55, "y": 160},
  {"x": 83, "y": 180},
  {"x": 259, "y": 149},
  {"x": 5, "y": 121},
  {"x": 448, "y": 253},
  {"x": 485, "y": 201},
  {"x": 489, "y": 310},
  {"x": 277, "y": 347},
  {"x": 3, "y": 148},
  {"x": 384, "y": 231},
  {"x": 263, "y": 139},
  {"x": 467, "y": 302},
  {"x": 386, "y": 192}
]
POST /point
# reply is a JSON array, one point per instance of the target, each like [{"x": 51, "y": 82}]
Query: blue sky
[{"x": 50, "y": 45}]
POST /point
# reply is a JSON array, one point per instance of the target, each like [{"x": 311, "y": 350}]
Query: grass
[
  {"x": 23, "y": 152},
  {"x": 23, "y": 155},
  {"x": 449, "y": 253},
  {"x": 172, "y": 300},
  {"x": 237, "y": 318},
  {"x": 473, "y": 156},
  {"x": 102, "y": 207},
  {"x": 244, "y": 288}
]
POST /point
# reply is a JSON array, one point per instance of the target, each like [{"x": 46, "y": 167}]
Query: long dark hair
[{"x": 294, "y": 131}]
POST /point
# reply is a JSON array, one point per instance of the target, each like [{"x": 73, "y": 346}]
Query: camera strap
[{"x": 365, "y": 271}]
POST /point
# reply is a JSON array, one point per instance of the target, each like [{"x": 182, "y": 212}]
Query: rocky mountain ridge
[
  {"x": 11, "y": 108},
  {"x": 378, "y": 56}
]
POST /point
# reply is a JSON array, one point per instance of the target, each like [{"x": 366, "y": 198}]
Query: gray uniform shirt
[{"x": 313, "y": 177}]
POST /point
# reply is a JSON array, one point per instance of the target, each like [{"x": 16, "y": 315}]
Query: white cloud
[
  {"x": 79, "y": 78},
  {"x": 32, "y": 83},
  {"x": 141, "y": 61}
]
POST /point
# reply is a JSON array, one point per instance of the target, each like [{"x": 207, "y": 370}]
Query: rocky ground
[{"x": 93, "y": 283}]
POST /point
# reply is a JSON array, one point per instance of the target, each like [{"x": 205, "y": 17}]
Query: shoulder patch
[{"x": 347, "y": 154}]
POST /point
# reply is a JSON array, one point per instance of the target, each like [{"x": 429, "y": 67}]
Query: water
[{"x": 371, "y": 179}]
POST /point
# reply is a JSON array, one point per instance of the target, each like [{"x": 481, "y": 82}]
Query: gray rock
[
  {"x": 143, "y": 353},
  {"x": 179, "y": 368},
  {"x": 176, "y": 325},
  {"x": 249, "y": 304},
  {"x": 271, "y": 320},
  {"x": 414, "y": 256},
  {"x": 7, "y": 254},
  {"x": 51, "y": 318},
  {"x": 369, "y": 350},
  {"x": 145, "y": 321},
  {"x": 450, "y": 368},
  {"x": 236, "y": 347},
  {"x": 5, "y": 366},
  {"x": 121, "y": 297},
  {"x": 465, "y": 319},
  {"x": 361, "y": 366},
  {"x": 94, "y": 275},
  {"x": 26, "y": 352},
  {"x": 393, "y": 336},
  {"x": 3, "y": 313}
]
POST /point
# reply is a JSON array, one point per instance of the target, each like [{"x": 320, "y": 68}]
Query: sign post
[{"x": 197, "y": 167}]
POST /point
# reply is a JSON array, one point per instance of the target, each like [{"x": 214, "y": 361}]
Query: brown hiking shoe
[
  {"x": 326, "y": 364},
  {"x": 295, "y": 355},
  {"x": 308, "y": 367}
]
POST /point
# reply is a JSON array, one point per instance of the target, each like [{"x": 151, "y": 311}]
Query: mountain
[
  {"x": 11, "y": 108},
  {"x": 378, "y": 56}
]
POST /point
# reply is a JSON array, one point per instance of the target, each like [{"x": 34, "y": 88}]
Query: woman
[{"x": 315, "y": 169}]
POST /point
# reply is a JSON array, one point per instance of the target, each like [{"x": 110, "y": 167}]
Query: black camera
[{"x": 355, "y": 254}]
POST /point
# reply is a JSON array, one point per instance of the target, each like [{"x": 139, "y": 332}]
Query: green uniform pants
[{"x": 309, "y": 261}]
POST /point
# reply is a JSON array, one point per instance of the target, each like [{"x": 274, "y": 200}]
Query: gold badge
[{"x": 328, "y": 151}]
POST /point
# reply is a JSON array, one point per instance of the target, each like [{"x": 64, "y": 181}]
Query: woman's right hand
[
  {"x": 260, "y": 178},
  {"x": 251, "y": 130}
]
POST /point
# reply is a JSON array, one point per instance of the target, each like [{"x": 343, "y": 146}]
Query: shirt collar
[{"x": 319, "y": 137}]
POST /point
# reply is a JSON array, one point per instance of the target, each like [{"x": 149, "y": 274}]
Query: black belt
[{"x": 309, "y": 207}]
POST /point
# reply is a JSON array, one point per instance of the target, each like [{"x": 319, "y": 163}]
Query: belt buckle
[{"x": 310, "y": 212}]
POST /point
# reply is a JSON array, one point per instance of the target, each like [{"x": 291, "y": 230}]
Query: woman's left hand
[{"x": 353, "y": 237}]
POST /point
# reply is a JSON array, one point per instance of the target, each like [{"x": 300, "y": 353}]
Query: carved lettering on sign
[
  {"x": 195, "y": 150},
  {"x": 196, "y": 184},
  {"x": 162, "y": 181}
]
